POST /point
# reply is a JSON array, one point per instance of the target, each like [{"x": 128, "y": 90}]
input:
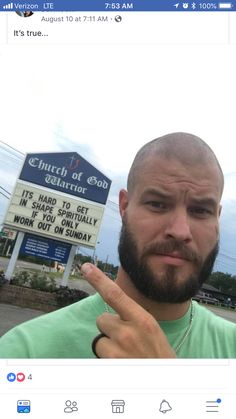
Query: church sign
[
  {"x": 66, "y": 172},
  {"x": 61, "y": 217}
]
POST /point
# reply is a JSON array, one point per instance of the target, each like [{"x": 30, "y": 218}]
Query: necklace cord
[
  {"x": 186, "y": 333},
  {"x": 188, "y": 330}
]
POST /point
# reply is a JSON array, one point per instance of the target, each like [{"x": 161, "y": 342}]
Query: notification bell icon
[{"x": 165, "y": 407}]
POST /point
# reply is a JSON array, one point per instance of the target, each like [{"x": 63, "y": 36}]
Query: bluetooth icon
[{"x": 193, "y": 5}]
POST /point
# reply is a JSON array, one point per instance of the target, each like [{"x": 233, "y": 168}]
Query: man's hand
[{"x": 132, "y": 332}]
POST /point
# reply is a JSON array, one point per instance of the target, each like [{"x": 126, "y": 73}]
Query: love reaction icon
[{"x": 20, "y": 376}]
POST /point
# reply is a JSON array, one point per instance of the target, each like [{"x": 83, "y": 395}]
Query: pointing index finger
[{"x": 127, "y": 308}]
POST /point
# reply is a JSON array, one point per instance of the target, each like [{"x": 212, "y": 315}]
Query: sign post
[
  {"x": 68, "y": 266},
  {"x": 14, "y": 256}
]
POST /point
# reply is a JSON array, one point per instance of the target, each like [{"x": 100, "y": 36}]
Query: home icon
[{"x": 118, "y": 406}]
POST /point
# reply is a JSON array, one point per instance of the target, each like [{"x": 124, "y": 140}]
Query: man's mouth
[
  {"x": 174, "y": 258},
  {"x": 177, "y": 255}
]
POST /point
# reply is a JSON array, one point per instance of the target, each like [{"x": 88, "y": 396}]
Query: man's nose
[{"x": 178, "y": 226}]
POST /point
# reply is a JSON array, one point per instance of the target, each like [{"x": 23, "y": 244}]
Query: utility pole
[
  {"x": 93, "y": 257},
  {"x": 106, "y": 263}
]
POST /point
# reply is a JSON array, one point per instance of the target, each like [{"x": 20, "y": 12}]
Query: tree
[{"x": 225, "y": 282}]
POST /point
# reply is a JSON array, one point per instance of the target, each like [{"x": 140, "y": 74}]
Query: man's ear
[{"x": 123, "y": 201}]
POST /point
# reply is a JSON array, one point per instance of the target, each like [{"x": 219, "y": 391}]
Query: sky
[{"x": 106, "y": 101}]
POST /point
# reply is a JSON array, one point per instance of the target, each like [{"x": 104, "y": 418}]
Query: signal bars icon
[{"x": 8, "y": 6}]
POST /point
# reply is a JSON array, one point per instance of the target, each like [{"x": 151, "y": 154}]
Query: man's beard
[{"x": 163, "y": 288}]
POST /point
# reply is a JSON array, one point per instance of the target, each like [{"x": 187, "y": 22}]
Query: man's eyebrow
[
  {"x": 157, "y": 193},
  {"x": 208, "y": 201},
  {"x": 211, "y": 202}
]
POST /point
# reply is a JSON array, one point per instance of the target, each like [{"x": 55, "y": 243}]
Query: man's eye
[
  {"x": 157, "y": 205},
  {"x": 200, "y": 211}
]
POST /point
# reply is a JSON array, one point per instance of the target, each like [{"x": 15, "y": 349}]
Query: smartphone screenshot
[{"x": 117, "y": 209}]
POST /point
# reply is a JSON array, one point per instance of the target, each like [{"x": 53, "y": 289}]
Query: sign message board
[
  {"x": 66, "y": 172},
  {"x": 40, "y": 211},
  {"x": 45, "y": 248}
]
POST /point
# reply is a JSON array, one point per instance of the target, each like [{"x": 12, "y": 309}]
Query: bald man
[{"x": 168, "y": 244}]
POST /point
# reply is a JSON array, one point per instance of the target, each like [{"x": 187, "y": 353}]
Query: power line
[
  {"x": 11, "y": 157},
  {"x": 109, "y": 201},
  {"x": 5, "y": 190},
  {"x": 4, "y": 195},
  {"x": 228, "y": 257},
  {"x": 20, "y": 152},
  {"x": 113, "y": 209},
  {"x": 7, "y": 156},
  {"x": 83, "y": 252}
]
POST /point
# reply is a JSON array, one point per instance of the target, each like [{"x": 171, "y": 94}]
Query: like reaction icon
[{"x": 11, "y": 377}]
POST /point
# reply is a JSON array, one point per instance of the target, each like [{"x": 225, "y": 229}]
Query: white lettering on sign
[
  {"x": 37, "y": 211},
  {"x": 41, "y": 165},
  {"x": 57, "y": 181},
  {"x": 92, "y": 180}
]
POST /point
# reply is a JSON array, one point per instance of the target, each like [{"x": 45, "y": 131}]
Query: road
[
  {"x": 227, "y": 314},
  {"x": 11, "y": 315},
  {"x": 20, "y": 264}
]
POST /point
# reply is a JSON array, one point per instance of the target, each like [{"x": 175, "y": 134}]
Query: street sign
[
  {"x": 8, "y": 234},
  {"x": 66, "y": 172}
]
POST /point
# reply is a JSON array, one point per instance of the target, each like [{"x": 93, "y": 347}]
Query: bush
[
  {"x": 3, "y": 280},
  {"x": 66, "y": 296},
  {"x": 40, "y": 281},
  {"x": 37, "y": 280},
  {"x": 21, "y": 278}
]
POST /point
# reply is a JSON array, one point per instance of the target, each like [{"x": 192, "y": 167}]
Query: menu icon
[{"x": 212, "y": 406}]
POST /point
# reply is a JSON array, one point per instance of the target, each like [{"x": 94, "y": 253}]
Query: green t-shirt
[{"x": 69, "y": 332}]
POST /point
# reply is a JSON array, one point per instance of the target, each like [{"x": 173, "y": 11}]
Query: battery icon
[{"x": 225, "y": 6}]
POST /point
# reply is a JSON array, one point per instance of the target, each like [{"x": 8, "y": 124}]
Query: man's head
[{"x": 170, "y": 213}]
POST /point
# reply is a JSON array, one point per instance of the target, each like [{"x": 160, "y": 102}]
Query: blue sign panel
[
  {"x": 66, "y": 172},
  {"x": 45, "y": 248}
]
